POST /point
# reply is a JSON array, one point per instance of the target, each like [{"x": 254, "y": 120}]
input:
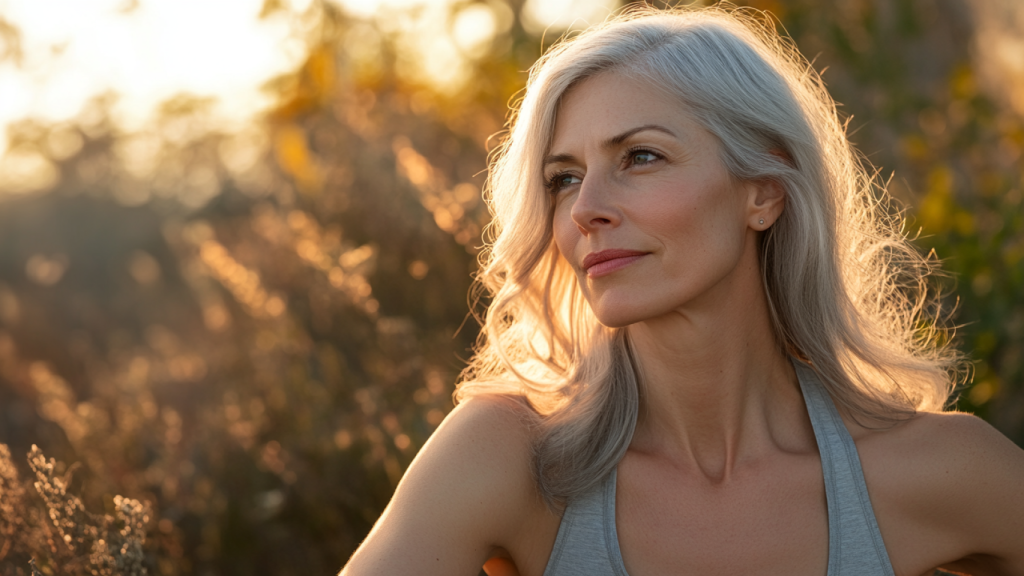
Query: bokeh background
[{"x": 237, "y": 236}]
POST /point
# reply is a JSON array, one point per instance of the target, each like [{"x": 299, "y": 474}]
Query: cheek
[
  {"x": 565, "y": 231},
  {"x": 676, "y": 216},
  {"x": 700, "y": 228}
]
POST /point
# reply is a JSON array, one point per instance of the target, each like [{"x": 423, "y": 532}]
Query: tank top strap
[
  {"x": 854, "y": 541},
  {"x": 587, "y": 543}
]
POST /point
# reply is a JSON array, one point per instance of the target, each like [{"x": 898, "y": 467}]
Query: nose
[{"x": 592, "y": 209}]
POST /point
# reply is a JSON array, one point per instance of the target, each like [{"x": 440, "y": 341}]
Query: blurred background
[{"x": 236, "y": 240}]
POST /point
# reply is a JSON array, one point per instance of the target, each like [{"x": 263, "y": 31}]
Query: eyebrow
[{"x": 611, "y": 142}]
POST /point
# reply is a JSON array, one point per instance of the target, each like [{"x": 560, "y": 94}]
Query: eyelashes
[
  {"x": 637, "y": 151},
  {"x": 635, "y": 157},
  {"x": 556, "y": 183}
]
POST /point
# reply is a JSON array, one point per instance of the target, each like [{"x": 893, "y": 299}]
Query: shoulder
[
  {"x": 499, "y": 414},
  {"x": 466, "y": 494},
  {"x": 953, "y": 445},
  {"x": 950, "y": 476},
  {"x": 485, "y": 432},
  {"x": 483, "y": 448}
]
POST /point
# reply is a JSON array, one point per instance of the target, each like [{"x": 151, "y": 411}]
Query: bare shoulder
[
  {"x": 481, "y": 453},
  {"x": 951, "y": 479},
  {"x": 464, "y": 496},
  {"x": 492, "y": 435},
  {"x": 507, "y": 420},
  {"x": 953, "y": 445}
]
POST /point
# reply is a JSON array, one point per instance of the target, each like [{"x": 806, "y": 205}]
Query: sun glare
[
  {"x": 539, "y": 16},
  {"x": 136, "y": 55},
  {"x": 143, "y": 52},
  {"x": 438, "y": 43}
]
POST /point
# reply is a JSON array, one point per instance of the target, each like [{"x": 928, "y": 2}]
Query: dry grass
[{"x": 46, "y": 530}]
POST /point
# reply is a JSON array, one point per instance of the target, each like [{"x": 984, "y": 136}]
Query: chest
[{"x": 769, "y": 519}]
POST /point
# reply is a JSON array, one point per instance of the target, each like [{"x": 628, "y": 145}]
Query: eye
[
  {"x": 561, "y": 180},
  {"x": 642, "y": 157}
]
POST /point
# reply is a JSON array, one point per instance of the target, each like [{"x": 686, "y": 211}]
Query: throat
[
  {"x": 712, "y": 428},
  {"x": 710, "y": 453}
]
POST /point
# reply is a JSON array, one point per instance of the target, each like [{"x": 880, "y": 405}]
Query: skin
[{"x": 723, "y": 474}]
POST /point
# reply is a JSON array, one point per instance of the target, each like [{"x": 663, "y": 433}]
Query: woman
[{"x": 708, "y": 349}]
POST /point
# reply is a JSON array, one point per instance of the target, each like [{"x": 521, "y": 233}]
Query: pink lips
[{"x": 607, "y": 261}]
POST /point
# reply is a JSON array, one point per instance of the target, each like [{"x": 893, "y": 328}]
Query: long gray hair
[{"x": 847, "y": 291}]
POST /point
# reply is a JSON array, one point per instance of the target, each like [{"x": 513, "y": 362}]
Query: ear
[{"x": 766, "y": 200}]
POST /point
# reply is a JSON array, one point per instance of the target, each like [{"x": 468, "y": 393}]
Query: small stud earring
[{"x": 761, "y": 221}]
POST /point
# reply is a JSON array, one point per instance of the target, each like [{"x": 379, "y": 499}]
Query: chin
[
  {"x": 619, "y": 316},
  {"x": 621, "y": 308},
  {"x": 616, "y": 323}
]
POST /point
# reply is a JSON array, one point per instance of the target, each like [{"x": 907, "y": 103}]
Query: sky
[
  {"x": 148, "y": 51},
  {"x": 145, "y": 51}
]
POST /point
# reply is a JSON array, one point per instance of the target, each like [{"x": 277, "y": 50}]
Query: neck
[{"x": 718, "y": 390}]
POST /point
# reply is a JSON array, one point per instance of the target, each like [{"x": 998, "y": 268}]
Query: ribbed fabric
[
  {"x": 588, "y": 544},
  {"x": 854, "y": 543}
]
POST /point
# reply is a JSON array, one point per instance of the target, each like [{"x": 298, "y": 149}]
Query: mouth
[{"x": 607, "y": 261}]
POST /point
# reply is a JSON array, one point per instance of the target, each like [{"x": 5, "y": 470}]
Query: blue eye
[
  {"x": 559, "y": 181},
  {"x": 642, "y": 157}
]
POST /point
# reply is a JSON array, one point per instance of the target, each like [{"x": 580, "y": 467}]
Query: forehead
[{"x": 611, "y": 103}]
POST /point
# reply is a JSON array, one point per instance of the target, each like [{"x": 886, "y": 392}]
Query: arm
[
  {"x": 987, "y": 496},
  {"x": 466, "y": 494},
  {"x": 948, "y": 490}
]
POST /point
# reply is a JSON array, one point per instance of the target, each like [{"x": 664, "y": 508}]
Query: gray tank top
[{"x": 588, "y": 545}]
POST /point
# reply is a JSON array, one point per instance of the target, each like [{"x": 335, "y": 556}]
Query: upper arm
[
  {"x": 987, "y": 490},
  {"x": 464, "y": 494},
  {"x": 959, "y": 484}
]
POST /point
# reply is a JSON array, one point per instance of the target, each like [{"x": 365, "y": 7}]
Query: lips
[{"x": 595, "y": 258}]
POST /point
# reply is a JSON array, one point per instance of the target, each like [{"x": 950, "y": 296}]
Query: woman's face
[{"x": 645, "y": 212}]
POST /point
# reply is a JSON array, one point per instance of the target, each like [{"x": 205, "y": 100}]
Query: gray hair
[{"x": 847, "y": 291}]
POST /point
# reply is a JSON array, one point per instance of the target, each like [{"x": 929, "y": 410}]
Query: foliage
[
  {"x": 254, "y": 332},
  {"x": 59, "y": 532}
]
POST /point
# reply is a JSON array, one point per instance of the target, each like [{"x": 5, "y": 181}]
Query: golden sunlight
[
  {"x": 88, "y": 62},
  {"x": 437, "y": 42},
  {"x": 143, "y": 52}
]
